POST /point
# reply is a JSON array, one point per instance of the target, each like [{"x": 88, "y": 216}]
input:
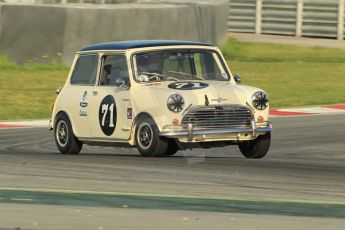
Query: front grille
[{"x": 228, "y": 116}]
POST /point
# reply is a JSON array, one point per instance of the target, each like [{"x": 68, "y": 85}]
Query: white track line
[{"x": 20, "y": 199}]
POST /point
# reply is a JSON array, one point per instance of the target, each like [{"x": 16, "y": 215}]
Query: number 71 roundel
[{"x": 107, "y": 115}]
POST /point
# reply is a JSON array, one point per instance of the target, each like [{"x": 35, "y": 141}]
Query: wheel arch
[
  {"x": 134, "y": 123},
  {"x": 69, "y": 118}
]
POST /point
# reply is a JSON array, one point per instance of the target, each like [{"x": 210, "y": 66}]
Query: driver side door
[{"x": 111, "y": 100}]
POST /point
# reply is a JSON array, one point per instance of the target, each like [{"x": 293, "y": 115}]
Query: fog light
[
  {"x": 175, "y": 122},
  {"x": 260, "y": 119}
]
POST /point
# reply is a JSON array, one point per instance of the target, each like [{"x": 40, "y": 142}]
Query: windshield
[{"x": 177, "y": 65}]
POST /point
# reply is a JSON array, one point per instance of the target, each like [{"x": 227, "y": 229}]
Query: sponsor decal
[
  {"x": 219, "y": 99},
  {"x": 107, "y": 115},
  {"x": 153, "y": 84},
  {"x": 83, "y": 113},
  {"x": 83, "y": 105},
  {"x": 187, "y": 85}
]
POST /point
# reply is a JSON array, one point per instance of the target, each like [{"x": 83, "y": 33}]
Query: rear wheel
[
  {"x": 65, "y": 140},
  {"x": 147, "y": 138},
  {"x": 256, "y": 148}
]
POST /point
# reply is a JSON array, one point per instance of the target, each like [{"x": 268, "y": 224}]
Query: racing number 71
[{"x": 105, "y": 109}]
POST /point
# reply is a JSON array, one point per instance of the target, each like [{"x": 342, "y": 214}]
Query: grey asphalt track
[{"x": 306, "y": 163}]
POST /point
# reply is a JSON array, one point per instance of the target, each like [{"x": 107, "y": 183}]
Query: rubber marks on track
[{"x": 333, "y": 109}]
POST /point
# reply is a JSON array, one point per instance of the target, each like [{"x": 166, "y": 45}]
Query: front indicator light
[
  {"x": 175, "y": 122},
  {"x": 260, "y": 119}
]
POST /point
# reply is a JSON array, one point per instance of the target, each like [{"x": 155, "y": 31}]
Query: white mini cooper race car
[{"x": 160, "y": 96}]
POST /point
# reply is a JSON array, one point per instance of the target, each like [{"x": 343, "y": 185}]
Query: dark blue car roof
[{"x": 123, "y": 45}]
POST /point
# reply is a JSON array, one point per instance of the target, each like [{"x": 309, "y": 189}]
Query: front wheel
[
  {"x": 256, "y": 148},
  {"x": 65, "y": 140},
  {"x": 147, "y": 138},
  {"x": 172, "y": 148}
]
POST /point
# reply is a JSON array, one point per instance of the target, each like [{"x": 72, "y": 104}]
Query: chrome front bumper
[{"x": 190, "y": 132}]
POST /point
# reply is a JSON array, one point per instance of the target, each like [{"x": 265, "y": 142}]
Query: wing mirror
[
  {"x": 57, "y": 91},
  {"x": 237, "y": 78}
]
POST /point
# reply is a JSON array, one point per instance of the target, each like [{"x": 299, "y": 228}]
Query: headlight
[
  {"x": 175, "y": 103},
  {"x": 260, "y": 100}
]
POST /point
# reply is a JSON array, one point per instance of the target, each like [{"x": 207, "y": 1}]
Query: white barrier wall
[
  {"x": 313, "y": 18},
  {"x": 41, "y": 33}
]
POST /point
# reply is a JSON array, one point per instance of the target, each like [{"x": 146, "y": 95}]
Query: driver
[{"x": 148, "y": 66}]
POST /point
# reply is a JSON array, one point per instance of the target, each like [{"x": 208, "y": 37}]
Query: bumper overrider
[{"x": 192, "y": 133}]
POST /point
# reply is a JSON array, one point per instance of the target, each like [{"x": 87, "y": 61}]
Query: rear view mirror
[{"x": 178, "y": 57}]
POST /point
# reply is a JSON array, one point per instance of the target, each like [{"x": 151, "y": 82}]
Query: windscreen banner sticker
[
  {"x": 83, "y": 105},
  {"x": 187, "y": 85},
  {"x": 107, "y": 115}
]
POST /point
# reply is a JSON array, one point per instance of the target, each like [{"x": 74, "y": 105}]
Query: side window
[
  {"x": 114, "y": 70},
  {"x": 85, "y": 70}
]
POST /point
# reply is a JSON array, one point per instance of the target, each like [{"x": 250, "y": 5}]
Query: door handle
[{"x": 94, "y": 93}]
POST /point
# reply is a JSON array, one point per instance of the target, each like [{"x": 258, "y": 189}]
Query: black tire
[
  {"x": 147, "y": 138},
  {"x": 65, "y": 140},
  {"x": 256, "y": 148},
  {"x": 172, "y": 148}
]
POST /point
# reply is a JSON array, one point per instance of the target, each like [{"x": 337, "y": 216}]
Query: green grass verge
[
  {"x": 27, "y": 91},
  {"x": 292, "y": 75}
]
